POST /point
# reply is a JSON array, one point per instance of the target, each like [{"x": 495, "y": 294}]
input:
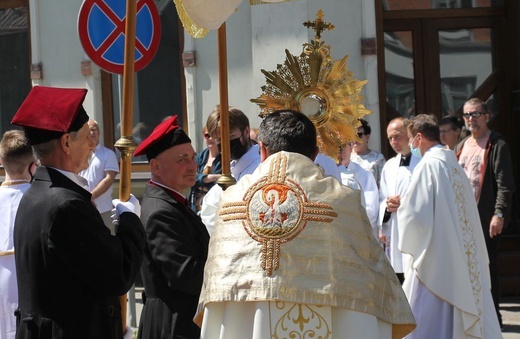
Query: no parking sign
[{"x": 101, "y": 27}]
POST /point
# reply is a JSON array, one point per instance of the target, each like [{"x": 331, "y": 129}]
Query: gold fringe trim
[{"x": 191, "y": 27}]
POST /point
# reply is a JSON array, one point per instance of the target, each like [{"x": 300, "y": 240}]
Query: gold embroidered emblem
[{"x": 274, "y": 210}]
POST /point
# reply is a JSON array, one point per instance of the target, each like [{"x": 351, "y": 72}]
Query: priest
[
  {"x": 447, "y": 281},
  {"x": 292, "y": 253},
  {"x": 395, "y": 179}
]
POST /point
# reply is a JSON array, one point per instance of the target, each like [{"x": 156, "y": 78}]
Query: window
[
  {"x": 158, "y": 87},
  {"x": 399, "y": 5},
  {"x": 15, "y": 74}
]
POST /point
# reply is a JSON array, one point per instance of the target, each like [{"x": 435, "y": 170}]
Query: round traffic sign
[{"x": 101, "y": 27}]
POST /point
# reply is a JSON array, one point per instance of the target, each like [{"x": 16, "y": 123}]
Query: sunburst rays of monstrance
[{"x": 323, "y": 89}]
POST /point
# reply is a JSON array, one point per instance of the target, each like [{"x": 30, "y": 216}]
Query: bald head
[
  {"x": 93, "y": 132},
  {"x": 397, "y": 135}
]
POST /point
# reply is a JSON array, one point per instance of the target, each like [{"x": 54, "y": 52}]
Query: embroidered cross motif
[{"x": 275, "y": 210}]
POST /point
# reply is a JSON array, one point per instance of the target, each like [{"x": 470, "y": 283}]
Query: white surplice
[
  {"x": 9, "y": 200},
  {"x": 394, "y": 181},
  {"x": 328, "y": 165},
  {"x": 358, "y": 178},
  {"x": 447, "y": 282}
]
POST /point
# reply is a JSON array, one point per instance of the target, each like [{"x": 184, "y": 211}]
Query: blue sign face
[{"x": 102, "y": 32}]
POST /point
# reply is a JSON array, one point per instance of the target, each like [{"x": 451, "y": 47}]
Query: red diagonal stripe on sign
[
  {"x": 119, "y": 29},
  {"x": 120, "y": 26}
]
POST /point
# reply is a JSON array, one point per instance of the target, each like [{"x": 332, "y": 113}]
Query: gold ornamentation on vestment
[
  {"x": 319, "y": 87},
  {"x": 301, "y": 320},
  {"x": 470, "y": 245},
  {"x": 275, "y": 210}
]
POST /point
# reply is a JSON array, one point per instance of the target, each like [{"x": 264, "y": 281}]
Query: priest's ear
[{"x": 263, "y": 151}]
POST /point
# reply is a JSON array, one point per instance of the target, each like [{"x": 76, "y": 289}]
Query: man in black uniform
[
  {"x": 71, "y": 271},
  {"x": 173, "y": 263}
]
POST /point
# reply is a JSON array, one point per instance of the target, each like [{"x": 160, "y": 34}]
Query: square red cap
[
  {"x": 50, "y": 108},
  {"x": 167, "y": 134},
  {"x": 48, "y": 112}
]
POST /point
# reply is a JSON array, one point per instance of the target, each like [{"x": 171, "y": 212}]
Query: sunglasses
[
  {"x": 473, "y": 114},
  {"x": 207, "y": 136},
  {"x": 360, "y": 134}
]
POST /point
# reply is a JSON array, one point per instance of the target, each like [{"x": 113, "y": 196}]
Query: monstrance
[{"x": 323, "y": 89}]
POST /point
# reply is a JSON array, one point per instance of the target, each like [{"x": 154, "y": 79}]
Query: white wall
[
  {"x": 257, "y": 37},
  {"x": 55, "y": 44}
]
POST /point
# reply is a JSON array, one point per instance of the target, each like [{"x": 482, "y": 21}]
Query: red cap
[
  {"x": 48, "y": 112},
  {"x": 167, "y": 134}
]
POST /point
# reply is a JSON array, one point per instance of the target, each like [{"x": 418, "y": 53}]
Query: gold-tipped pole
[
  {"x": 226, "y": 179},
  {"x": 126, "y": 145}
]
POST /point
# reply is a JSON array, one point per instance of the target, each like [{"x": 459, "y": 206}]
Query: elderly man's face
[
  {"x": 175, "y": 167},
  {"x": 80, "y": 150},
  {"x": 93, "y": 132}
]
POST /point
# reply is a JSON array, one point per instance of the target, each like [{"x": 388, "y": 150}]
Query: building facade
[{"x": 425, "y": 56}]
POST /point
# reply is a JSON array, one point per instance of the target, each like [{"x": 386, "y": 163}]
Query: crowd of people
[{"x": 299, "y": 246}]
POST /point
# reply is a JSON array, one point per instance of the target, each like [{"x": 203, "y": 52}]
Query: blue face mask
[{"x": 416, "y": 152}]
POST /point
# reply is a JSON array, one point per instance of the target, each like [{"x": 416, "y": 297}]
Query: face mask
[
  {"x": 236, "y": 149},
  {"x": 416, "y": 152}
]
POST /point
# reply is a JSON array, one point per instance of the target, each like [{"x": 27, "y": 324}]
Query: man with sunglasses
[
  {"x": 368, "y": 159},
  {"x": 209, "y": 170},
  {"x": 244, "y": 154},
  {"x": 486, "y": 159}
]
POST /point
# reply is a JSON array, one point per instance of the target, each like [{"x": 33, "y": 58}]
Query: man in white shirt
[
  {"x": 358, "y": 178},
  {"x": 447, "y": 281},
  {"x": 17, "y": 158},
  {"x": 244, "y": 154},
  {"x": 100, "y": 174},
  {"x": 395, "y": 178}
]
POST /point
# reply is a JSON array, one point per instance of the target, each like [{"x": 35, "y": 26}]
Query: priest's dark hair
[
  {"x": 290, "y": 131},
  {"x": 426, "y": 124}
]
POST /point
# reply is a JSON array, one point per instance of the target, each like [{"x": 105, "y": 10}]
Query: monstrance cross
[{"x": 319, "y": 25}]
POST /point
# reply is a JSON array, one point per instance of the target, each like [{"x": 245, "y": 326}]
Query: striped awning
[{"x": 13, "y": 20}]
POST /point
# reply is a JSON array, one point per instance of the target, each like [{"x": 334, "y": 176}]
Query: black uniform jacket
[
  {"x": 70, "y": 269},
  {"x": 173, "y": 266}
]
